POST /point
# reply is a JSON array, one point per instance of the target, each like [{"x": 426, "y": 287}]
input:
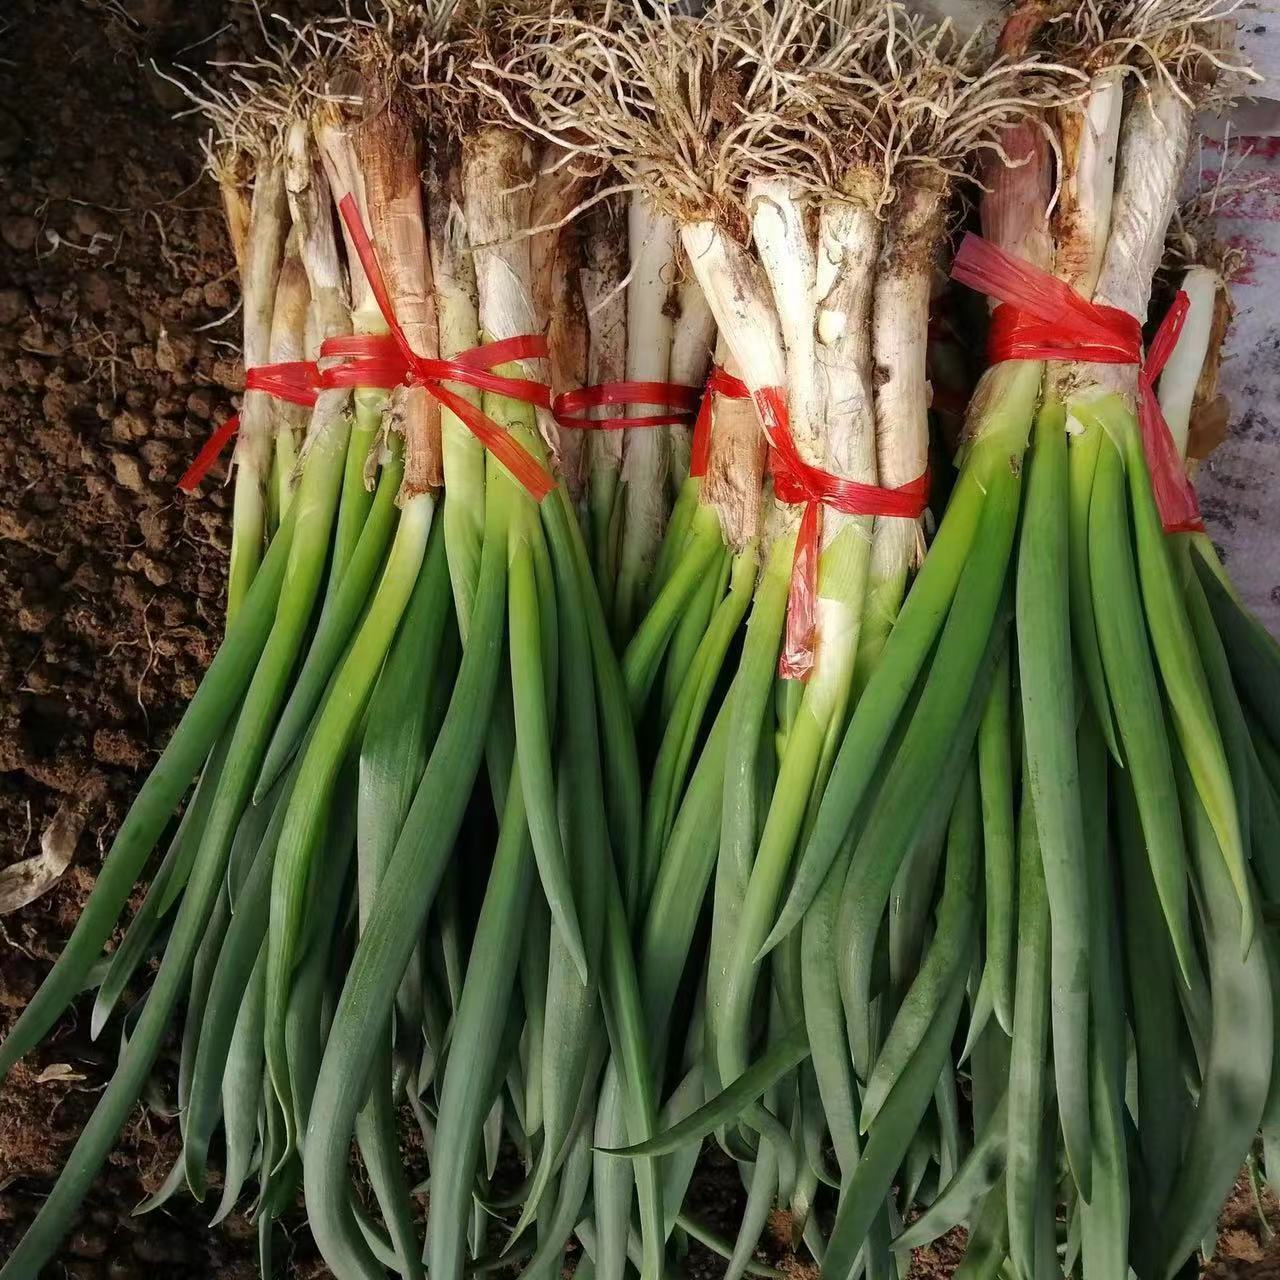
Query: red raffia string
[
  {"x": 472, "y": 368},
  {"x": 296, "y": 381},
  {"x": 375, "y": 360},
  {"x": 208, "y": 454},
  {"x": 796, "y": 481},
  {"x": 1042, "y": 318},
  {"x": 719, "y": 383},
  {"x": 1174, "y": 493},
  {"x": 571, "y": 407}
]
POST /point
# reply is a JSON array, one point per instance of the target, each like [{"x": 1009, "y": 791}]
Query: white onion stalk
[
  {"x": 494, "y": 163},
  {"x": 313, "y": 217},
  {"x": 1193, "y": 408},
  {"x": 849, "y": 233},
  {"x": 790, "y": 260},
  {"x": 555, "y": 254},
  {"x": 733, "y": 486},
  {"x": 691, "y": 519},
  {"x": 313, "y": 221},
  {"x": 453, "y": 272},
  {"x": 1090, "y": 139},
  {"x": 692, "y": 340},
  {"x": 1188, "y": 388},
  {"x": 336, "y": 143},
  {"x": 263, "y": 250},
  {"x": 1154, "y": 145},
  {"x": 900, "y": 334},
  {"x": 781, "y": 237},
  {"x": 603, "y": 286},
  {"x": 738, "y": 293},
  {"x": 568, "y": 343},
  {"x": 557, "y": 192},
  {"x": 230, "y": 171},
  {"x": 651, "y": 235},
  {"x": 1180, "y": 381},
  {"x": 289, "y": 322},
  {"x": 387, "y": 151}
]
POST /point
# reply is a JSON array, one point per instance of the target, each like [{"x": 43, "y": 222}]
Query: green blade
[
  {"x": 1237, "y": 1076},
  {"x": 1048, "y": 686},
  {"x": 1135, "y": 696},
  {"x": 1026, "y": 1154},
  {"x": 782, "y": 1056}
]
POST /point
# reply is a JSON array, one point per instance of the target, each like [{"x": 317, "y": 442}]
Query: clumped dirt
[
  {"x": 118, "y": 353},
  {"x": 1248, "y": 1243}
]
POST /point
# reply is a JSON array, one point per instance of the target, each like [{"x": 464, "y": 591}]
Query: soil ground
[{"x": 118, "y": 352}]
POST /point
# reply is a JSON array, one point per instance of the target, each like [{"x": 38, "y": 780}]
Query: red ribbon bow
[
  {"x": 797, "y": 481},
  {"x": 1042, "y": 318},
  {"x": 387, "y": 360},
  {"x": 473, "y": 368}
]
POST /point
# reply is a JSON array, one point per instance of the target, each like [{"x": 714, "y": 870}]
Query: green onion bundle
[{"x": 630, "y": 92}]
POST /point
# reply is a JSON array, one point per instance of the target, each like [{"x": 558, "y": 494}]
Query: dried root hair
[
  {"x": 691, "y": 107},
  {"x": 1188, "y": 44},
  {"x": 1193, "y": 237},
  {"x": 248, "y": 122},
  {"x": 817, "y": 112},
  {"x": 955, "y": 109},
  {"x": 391, "y": 55},
  {"x": 668, "y": 98},
  {"x": 352, "y": 63},
  {"x": 251, "y": 103},
  {"x": 454, "y": 59},
  {"x": 888, "y": 94}
]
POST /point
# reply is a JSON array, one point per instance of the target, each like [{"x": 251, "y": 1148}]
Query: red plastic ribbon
[
  {"x": 1043, "y": 318},
  {"x": 572, "y": 407},
  {"x": 796, "y": 481},
  {"x": 472, "y": 368},
  {"x": 1175, "y": 496},
  {"x": 718, "y": 384},
  {"x": 296, "y": 381},
  {"x": 369, "y": 360},
  {"x": 208, "y": 454}
]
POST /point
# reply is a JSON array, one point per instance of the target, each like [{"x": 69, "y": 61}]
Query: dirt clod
[{"x": 20, "y": 232}]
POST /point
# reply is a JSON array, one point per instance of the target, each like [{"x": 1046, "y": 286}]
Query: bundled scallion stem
[{"x": 263, "y": 253}]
